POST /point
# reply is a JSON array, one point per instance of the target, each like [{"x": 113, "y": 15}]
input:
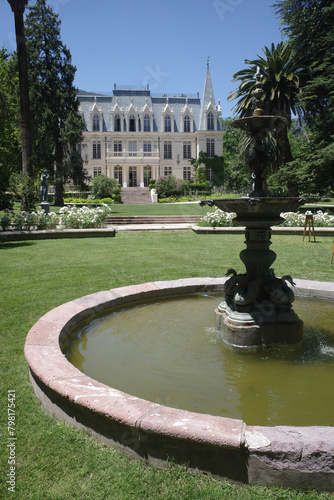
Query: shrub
[
  {"x": 116, "y": 195},
  {"x": 152, "y": 184},
  {"x": 5, "y": 221},
  {"x": 103, "y": 186},
  {"x": 170, "y": 186},
  {"x": 201, "y": 187}
]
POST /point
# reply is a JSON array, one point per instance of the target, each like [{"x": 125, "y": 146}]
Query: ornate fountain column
[{"x": 257, "y": 308}]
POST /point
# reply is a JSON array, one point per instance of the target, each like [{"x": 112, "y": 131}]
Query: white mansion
[{"x": 134, "y": 136}]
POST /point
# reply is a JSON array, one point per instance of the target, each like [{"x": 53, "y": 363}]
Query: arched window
[
  {"x": 117, "y": 123},
  {"x": 210, "y": 121},
  {"x": 186, "y": 124},
  {"x": 147, "y": 123},
  {"x": 168, "y": 124},
  {"x": 96, "y": 123},
  {"x": 132, "y": 124}
]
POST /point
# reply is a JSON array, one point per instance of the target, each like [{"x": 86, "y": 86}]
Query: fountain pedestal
[{"x": 257, "y": 308}]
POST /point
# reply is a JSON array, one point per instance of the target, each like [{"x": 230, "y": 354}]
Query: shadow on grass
[{"x": 6, "y": 245}]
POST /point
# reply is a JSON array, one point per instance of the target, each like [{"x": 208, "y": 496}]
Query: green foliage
[
  {"x": 236, "y": 173},
  {"x": 57, "y": 461},
  {"x": 5, "y": 221},
  {"x": 57, "y": 125},
  {"x": 215, "y": 164},
  {"x": 103, "y": 186},
  {"x": 25, "y": 221},
  {"x": 282, "y": 76},
  {"x": 89, "y": 201},
  {"x": 170, "y": 186},
  {"x": 281, "y": 83},
  {"x": 10, "y": 143},
  {"x": 199, "y": 187},
  {"x": 152, "y": 183},
  {"x": 310, "y": 29}
]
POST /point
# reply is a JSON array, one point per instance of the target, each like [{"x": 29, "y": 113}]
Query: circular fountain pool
[
  {"x": 286, "y": 455},
  {"x": 166, "y": 351}
]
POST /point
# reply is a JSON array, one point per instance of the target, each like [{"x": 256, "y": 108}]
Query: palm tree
[
  {"x": 18, "y": 7},
  {"x": 281, "y": 86}
]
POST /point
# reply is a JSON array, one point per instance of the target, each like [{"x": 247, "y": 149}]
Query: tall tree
[
  {"x": 10, "y": 143},
  {"x": 18, "y": 7},
  {"x": 58, "y": 125},
  {"x": 281, "y": 85},
  {"x": 309, "y": 27}
]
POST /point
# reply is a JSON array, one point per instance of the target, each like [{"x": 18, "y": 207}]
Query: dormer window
[
  {"x": 147, "y": 123},
  {"x": 96, "y": 123},
  {"x": 117, "y": 123},
  {"x": 132, "y": 124},
  {"x": 210, "y": 121},
  {"x": 168, "y": 124},
  {"x": 186, "y": 124}
]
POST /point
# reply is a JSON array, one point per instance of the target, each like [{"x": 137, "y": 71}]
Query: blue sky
[{"x": 163, "y": 43}]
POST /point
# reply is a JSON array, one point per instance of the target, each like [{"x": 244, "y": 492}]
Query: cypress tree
[{"x": 57, "y": 123}]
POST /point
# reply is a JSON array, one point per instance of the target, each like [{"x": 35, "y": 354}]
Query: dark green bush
[
  {"x": 170, "y": 186},
  {"x": 201, "y": 186},
  {"x": 103, "y": 186}
]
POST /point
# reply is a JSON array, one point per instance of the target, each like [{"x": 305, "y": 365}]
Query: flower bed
[
  {"x": 219, "y": 218},
  {"x": 69, "y": 218},
  {"x": 84, "y": 217}
]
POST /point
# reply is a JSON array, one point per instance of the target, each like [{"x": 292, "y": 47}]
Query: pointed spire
[{"x": 208, "y": 95}]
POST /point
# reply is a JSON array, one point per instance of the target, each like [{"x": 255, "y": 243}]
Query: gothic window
[
  {"x": 96, "y": 123},
  {"x": 96, "y": 150},
  {"x": 168, "y": 124},
  {"x": 187, "y": 150},
  {"x": 168, "y": 150},
  {"x": 147, "y": 123},
  {"x": 117, "y": 123},
  {"x": 186, "y": 124},
  {"x": 210, "y": 148},
  {"x": 210, "y": 121},
  {"x": 132, "y": 124}
]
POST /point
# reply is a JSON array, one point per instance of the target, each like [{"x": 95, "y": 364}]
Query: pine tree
[{"x": 57, "y": 123}]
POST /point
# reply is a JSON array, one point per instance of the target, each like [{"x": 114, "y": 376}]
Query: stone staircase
[
  {"x": 136, "y": 195},
  {"x": 155, "y": 219}
]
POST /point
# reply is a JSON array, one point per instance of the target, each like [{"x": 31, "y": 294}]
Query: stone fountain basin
[
  {"x": 283, "y": 455},
  {"x": 256, "y": 212}
]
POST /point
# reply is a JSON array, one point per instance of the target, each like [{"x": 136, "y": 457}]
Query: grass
[{"x": 55, "y": 461}]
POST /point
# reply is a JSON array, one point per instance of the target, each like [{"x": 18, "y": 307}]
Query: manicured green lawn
[{"x": 55, "y": 461}]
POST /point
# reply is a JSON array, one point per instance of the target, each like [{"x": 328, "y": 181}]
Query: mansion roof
[{"x": 138, "y": 103}]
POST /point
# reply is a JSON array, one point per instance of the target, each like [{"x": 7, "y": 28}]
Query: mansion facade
[{"x": 133, "y": 136}]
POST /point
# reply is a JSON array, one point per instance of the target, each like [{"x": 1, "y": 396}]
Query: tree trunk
[
  {"x": 27, "y": 168},
  {"x": 59, "y": 184}
]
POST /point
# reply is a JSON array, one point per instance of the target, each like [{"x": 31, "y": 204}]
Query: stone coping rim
[{"x": 154, "y": 431}]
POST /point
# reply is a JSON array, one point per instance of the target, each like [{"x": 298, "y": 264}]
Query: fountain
[{"x": 257, "y": 308}]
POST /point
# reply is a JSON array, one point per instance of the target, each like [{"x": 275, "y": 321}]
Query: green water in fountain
[{"x": 164, "y": 351}]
